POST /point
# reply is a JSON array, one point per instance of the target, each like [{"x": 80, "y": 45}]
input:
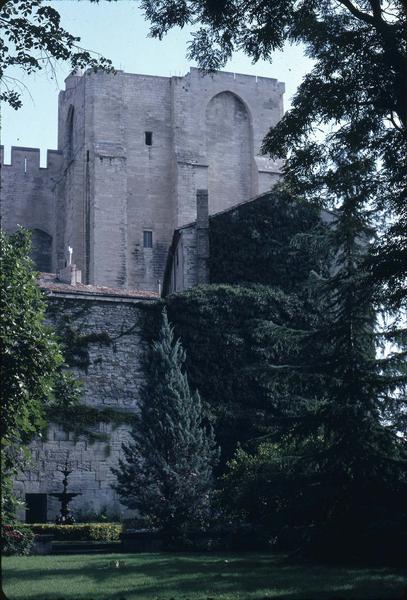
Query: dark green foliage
[
  {"x": 253, "y": 243},
  {"x": 301, "y": 509},
  {"x": 268, "y": 471},
  {"x": 166, "y": 473},
  {"x": 32, "y": 38},
  {"x": 237, "y": 339},
  {"x": 363, "y": 453},
  {"x": 16, "y": 540},
  {"x": 342, "y": 446},
  {"x": 301, "y": 371}
]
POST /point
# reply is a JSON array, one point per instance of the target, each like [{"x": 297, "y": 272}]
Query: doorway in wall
[{"x": 36, "y": 508}]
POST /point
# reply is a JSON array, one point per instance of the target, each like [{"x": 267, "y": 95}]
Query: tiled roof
[{"x": 49, "y": 283}]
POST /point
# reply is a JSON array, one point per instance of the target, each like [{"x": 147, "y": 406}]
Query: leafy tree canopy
[
  {"x": 335, "y": 445},
  {"x": 30, "y": 352},
  {"x": 32, "y": 39},
  {"x": 31, "y": 367}
]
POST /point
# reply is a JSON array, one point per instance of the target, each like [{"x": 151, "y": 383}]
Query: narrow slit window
[
  {"x": 147, "y": 239},
  {"x": 148, "y": 138}
]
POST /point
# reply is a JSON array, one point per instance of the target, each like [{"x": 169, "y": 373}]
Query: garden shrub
[
  {"x": 16, "y": 540},
  {"x": 100, "y": 532}
]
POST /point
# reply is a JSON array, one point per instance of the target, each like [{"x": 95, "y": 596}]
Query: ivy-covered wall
[
  {"x": 103, "y": 347},
  {"x": 254, "y": 242},
  {"x": 235, "y": 338},
  {"x": 236, "y": 331}
]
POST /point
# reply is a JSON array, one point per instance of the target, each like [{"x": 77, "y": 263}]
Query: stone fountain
[{"x": 65, "y": 516}]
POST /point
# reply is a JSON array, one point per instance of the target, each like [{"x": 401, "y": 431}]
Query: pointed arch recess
[{"x": 229, "y": 148}]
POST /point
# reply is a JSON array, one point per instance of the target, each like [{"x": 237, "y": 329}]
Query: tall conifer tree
[
  {"x": 337, "y": 468},
  {"x": 361, "y": 463},
  {"x": 166, "y": 473},
  {"x": 352, "y": 476}
]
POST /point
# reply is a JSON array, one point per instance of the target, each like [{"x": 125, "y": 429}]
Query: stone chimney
[{"x": 202, "y": 236}]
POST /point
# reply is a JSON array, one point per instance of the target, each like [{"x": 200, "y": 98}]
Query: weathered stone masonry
[
  {"x": 132, "y": 152},
  {"x": 111, "y": 376},
  {"x": 138, "y": 158},
  {"x": 27, "y": 198}
]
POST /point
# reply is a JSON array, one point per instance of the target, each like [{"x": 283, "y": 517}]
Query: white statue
[{"x": 70, "y": 250}]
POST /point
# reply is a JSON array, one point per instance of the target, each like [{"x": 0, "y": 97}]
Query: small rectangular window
[
  {"x": 148, "y": 138},
  {"x": 148, "y": 239}
]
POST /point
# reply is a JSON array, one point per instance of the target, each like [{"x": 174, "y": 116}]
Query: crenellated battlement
[
  {"x": 29, "y": 200},
  {"x": 173, "y": 135},
  {"x": 28, "y": 159}
]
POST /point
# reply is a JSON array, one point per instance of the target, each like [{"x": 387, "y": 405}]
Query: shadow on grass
[{"x": 172, "y": 577}]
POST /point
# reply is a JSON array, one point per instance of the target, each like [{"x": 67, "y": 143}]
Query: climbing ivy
[
  {"x": 81, "y": 420},
  {"x": 76, "y": 346},
  {"x": 258, "y": 242},
  {"x": 67, "y": 317},
  {"x": 235, "y": 338},
  {"x": 72, "y": 415},
  {"x": 239, "y": 330}
]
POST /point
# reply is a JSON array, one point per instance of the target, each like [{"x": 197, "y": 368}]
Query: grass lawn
[{"x": 193, "y": 577}]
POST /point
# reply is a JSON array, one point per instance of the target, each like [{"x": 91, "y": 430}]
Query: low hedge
[{"x": 101, "y": 532}]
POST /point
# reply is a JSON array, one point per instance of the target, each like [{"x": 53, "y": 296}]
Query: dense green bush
[
  {"x": 16, "y": 540},
  {"x": 235, "y": 337},
  {"x": 101, "y": 532}
]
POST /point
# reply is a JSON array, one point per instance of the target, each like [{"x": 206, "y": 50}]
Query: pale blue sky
[{"x": 118, "y": 31}]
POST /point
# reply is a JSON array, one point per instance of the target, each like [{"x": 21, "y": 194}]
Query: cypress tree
[{"x": 166, "y": 472}]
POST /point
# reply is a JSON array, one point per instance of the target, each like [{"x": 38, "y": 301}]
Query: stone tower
[{"x": 132, "y": 152}]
